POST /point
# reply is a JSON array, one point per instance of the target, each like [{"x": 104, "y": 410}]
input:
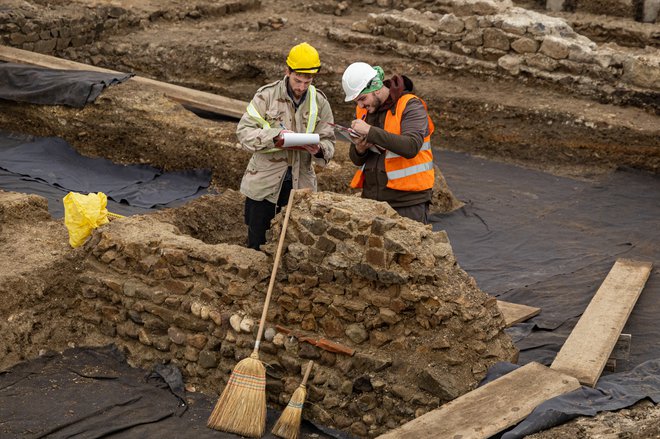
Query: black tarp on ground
[
  {"x": 540, "y": 240},
  {"x": 53, "y": 168},
  {"x": 40, "y": 85},
  {"x": 94, "y": 393}
]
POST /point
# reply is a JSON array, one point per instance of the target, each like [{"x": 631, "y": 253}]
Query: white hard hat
[{"x": 355, "y": 79}]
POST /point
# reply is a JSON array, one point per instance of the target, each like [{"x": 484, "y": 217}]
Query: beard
[{"x": 375, "y": 105}]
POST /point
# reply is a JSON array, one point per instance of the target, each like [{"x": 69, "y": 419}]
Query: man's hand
[
  {"x": 360, "y": 127},
  {"x": 361, "y": 145},
  {"x": 312, "y": 149},
  {"x": 279, "y": 139}
]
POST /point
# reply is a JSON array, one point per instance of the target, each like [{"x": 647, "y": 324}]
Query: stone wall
[
  {"x": 640, "y": 10},
  {"x": 352, "y": 272},
  {"x": 42, "y": 30},
  {"x": 494, "y": 38}
]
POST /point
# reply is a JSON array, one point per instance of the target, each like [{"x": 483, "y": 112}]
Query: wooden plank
[
  {"x": 188, "y": 96},
  {"x": 491, "y": 408},
  {"x": 585, "y": 352},
  {"x": 515, "y": 313}
]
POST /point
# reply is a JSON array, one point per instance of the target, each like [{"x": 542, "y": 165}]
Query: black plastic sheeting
[
  {"x": 40, "y": 85},
  {"x": 94, "y": 393},
  {"x": 533, "y": 238},
  {"x": 53, "y": 168}
]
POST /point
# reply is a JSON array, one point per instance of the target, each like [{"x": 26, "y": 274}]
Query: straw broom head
[
  {"x": 242, "y": 407},
  {"x": 288, "y": 425}
]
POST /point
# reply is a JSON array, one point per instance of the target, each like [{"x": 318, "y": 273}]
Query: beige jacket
[{"x": 270, "y": 110}]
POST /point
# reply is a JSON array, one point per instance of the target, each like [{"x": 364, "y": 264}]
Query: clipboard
[{"x": 348, "y": 134}]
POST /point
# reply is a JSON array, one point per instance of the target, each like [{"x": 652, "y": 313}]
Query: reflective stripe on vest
[
  {"x": 254, "y": 114},
  {"x": 313, "y": 109},
  {"x": 403, "y": 174},
  {"x": 410, "y": 170},
  {"x": 426, "y": 146},
  {"x": 311, "y": 119}
]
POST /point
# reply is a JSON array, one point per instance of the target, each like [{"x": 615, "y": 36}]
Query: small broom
[
  {"x": 288, "y": 426},
  {"x": 241, "y": 408}
]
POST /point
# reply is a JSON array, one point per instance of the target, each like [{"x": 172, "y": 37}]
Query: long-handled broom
[
  {"x": 241, "y": 408},
  {"x": 288, "y": 426}
]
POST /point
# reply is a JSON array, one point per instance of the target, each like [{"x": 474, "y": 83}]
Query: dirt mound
[{"x": 37, "y": 277}]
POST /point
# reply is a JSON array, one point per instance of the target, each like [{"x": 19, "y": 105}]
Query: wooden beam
[
  {"x": 188, "y": 96},
  {"x": 491, "y": 408},
  {"x": 515, "y": 313},
  {"x": 585, "y": 352}
]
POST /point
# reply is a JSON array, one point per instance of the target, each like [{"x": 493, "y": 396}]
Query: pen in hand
[
  {"x": 279, "y": 139},
  {"x": 360, "y": 126}
]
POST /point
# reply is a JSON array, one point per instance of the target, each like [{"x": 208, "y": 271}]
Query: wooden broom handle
[
  {"x": 307, "y": 371},
  {"x": 274, "y": 272}
]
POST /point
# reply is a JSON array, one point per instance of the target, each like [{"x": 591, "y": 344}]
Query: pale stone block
[
  {"x": 554, "y": 5},
  {"x": 650, "y": 11}
]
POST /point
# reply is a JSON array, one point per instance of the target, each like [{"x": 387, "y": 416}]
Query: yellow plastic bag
[{"x": 82, "y": 214}]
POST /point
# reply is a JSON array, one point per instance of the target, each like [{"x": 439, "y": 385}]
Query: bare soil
[{"x": 524, "y": 121}]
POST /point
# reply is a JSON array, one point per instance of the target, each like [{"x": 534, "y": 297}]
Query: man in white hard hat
[
  {"x": 394, "y": 150},
  {"x": 290, "y": 104}
]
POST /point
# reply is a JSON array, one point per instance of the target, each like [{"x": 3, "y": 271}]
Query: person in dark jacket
[{"x": 394, "y": 149}]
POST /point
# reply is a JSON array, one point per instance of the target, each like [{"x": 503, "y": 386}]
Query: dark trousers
[
  {"x": 418, "y": 212},
  {"x": 258, "y": 215}
]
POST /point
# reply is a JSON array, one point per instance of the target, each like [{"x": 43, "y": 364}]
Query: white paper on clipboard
[{"x": 299, "y": 139}]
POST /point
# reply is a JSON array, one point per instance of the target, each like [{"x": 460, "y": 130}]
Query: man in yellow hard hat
[{"x": 291, "y": 104}]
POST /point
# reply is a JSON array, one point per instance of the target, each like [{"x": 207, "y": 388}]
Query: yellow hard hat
[{"x": 303, "y": 58}]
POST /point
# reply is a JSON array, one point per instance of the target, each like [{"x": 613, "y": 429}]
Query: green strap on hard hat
[{"x": 376, "y": 82}]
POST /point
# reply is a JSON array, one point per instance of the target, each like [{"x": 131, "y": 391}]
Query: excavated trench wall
[
  {"x": 352, "y": 272},
  {"x": 133, "y": 125}
]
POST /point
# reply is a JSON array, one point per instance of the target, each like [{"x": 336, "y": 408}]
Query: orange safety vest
[{"x": 413, "y": 175}]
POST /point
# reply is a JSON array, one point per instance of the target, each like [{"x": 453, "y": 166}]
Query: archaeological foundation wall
[
  {"x": 641, "y": 10},
  {"x": 495, "y": 38},
  {"x": 414, "y": 330},
  {"x": 61, "y": 31}
]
